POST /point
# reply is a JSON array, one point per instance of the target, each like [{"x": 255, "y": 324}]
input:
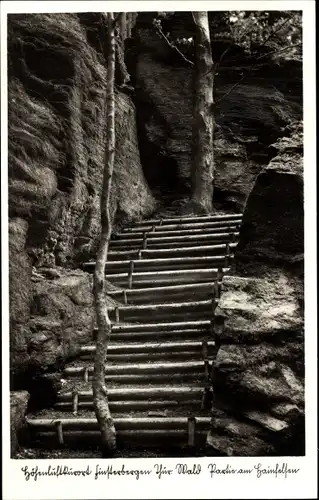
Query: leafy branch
[
  {"x": 160, "y": 31},
  {"x": 254, "y": 66}
]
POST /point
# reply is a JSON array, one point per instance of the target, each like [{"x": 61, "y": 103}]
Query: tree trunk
[
  {"x": 203, "y": 118},
  {"x": 100, "y": 399},
  {"x": 123, "y": 26}
]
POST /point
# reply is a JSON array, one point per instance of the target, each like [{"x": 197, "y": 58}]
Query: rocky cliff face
[
  {"x": 250, "y": 115},
  {"x": 57, "y": 77},
  {"x": 258, "y": 377}
]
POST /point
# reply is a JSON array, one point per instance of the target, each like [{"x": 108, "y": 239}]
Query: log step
[
  {"x": 163, "y": 336},
  {"x": 183, "y": 226},
  {"x": 148, "y": 347},
  {"x": 165, "y": 326},
  {"x": 219, "y": 249},
  {"x": 168, "y": 293},
  {"x": 154, "y": 378},
  {"x": 158, "y": 233},
  {"x": 122, "y": 266},
  {"x": 167, "y": 277},
  {"x": 157, "y": 356},
  {"x": 163, "y": 310},
  {"x": 182, "y": 220},
  {"x": 138, "y": 368},
  {"x": 129, "y": 406},
  {"x": 166, "y": 241},
  {"x": 140, "y": 393},
  {"x": 157, "y": 439},
  {"x": 121, "y": 423}
]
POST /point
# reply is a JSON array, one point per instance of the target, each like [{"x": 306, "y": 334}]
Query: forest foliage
[{"x": 276, "y": 34}]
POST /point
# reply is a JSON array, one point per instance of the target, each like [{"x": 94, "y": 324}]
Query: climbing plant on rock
[{"x": 100, "y": 399}]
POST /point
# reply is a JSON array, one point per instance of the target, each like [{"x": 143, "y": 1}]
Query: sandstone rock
[
  {"x": 18, "y": 407},
  {"x": 229, "y": 435},
  {"x": 272, "y": 229},
  {"x": 254, "y": 375},
  {"x": 20, "y": 271},
  {"x": 57, "y": 137},
  {"x": 266, "y": 420},
  {"x": 254, "y": 310},
  {"x": 63, "y": 319}
]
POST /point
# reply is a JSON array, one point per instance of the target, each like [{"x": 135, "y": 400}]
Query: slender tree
[
  {"x": 100, "y": 399},
  {"x": 203, "y": 118}
]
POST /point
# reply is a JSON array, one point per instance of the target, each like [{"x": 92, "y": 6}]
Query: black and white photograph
[{"x": 156, "y": 213}]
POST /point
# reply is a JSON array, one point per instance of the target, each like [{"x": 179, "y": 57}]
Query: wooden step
[
  {"x": 219, "y": 249},
  {"x": 138, "y": 392},
  {"x": 135, "y": 405},
  {"x": 183, "y": 377},
  {"x": 169, "y": 293},
  {"x": 175, "y": 263},
  {"x": 184, "y": 220},
  {"x": 203, "y": 325},
  {"x": 190, "y": 351},
  {"x": 121, "y": 423},
  {"x": 146, "y": 439},
  {"x": 162, "y": 335},
  {"x": 150, "y": 279},
  {"x": 158, "y": 233},
  {"x": 179, "y": 227},
  {"x": 148, "y": 347},
  {"x": 170, "y": 241},
  {"x": 141, "y": 357},
  {"x": 165, "y": 310},
  {"x": 138, "y": 368}
]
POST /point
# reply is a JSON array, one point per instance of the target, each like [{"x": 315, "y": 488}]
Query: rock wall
[
  {"x": 57, "y": 83},
  {"x": 18, "y": 408},
  {"x": 249, "y": 116},
  {"x": 258, "y": 377},
  {"x": 273, "y": 223}
]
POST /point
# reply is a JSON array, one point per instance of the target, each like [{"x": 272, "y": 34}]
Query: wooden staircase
[{"x": 166, "y": 275}]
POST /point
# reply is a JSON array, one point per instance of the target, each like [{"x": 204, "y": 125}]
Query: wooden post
[
  {"x": 233, "y": 237},
  {"x": 130, "y": 274},
  {"x": 218, "y": 328},
  {"x": 227, "y": 256},
  {"x": 205, "y": 398},
  {"x": 153, "y": 228},
  {"x": 59, "y": 431},
  {"x": 191, "y": 424},
  {"x": 161, "y": 221},
  {"x": 117, "y": 315},
  {"x": 220, "y": 275},
  {"x": 214, "y": 304},
  {"x": 124, "y": 297},
  {"x": 204, "y": 349},
  {"x": 139, "y": 255},
  {"x": 75, "y": 402},
  {"x": 86, "y": 374},
  {"x": 211, "y": 328},
  {"x": 206, "y": 367},
  {"x": 216, "y": 290},
  {"x": 144, "y": 241}
]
